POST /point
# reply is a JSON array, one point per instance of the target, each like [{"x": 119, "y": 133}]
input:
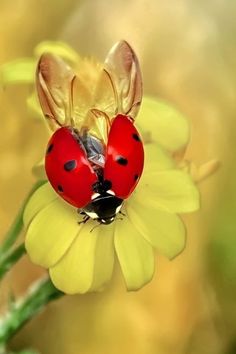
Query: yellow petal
[
  {"x": 39, "y": 170},
  {"x": 59, "y": 48},
  {"x": 156, "y": 159},
  {"x": 18, "y": 71},
  {"x": 51, "y": 232},
  {"x": 33, "y": 104},
  {"x": 165, "y": 231},
  {"x": 39, "y": 200},
  {"x": 88, "y": 264},
  {"x": 173, "y": 189},
  {"x": 166, "y": 125},
  {"x": 135, "y": 255},
  {"x": 104, "y": 257},
  {"x": 200, "y": 173}
]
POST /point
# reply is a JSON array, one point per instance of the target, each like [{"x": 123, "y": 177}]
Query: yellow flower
[
  {"x": 80, "y": 260},
  {"x": 80, "y": 257}
]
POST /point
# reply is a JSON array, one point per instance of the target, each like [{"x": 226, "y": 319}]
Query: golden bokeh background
[{"x": 187, "y": 50}]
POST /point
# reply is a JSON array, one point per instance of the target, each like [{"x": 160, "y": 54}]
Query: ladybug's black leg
[
  {"x": 85, "y": 219},
  {"x": 96, "y": 226},
  {"x": 121, "y": 212},
  {"x": 81, "y": 212}
]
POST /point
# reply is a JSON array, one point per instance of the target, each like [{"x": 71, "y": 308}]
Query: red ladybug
[{"x": 93, "y": 162}]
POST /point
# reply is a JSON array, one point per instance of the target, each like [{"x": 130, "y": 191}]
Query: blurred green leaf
[
  {"x": 222, "y": 249},
  {"x": 25, "y": 351},
  {"x": 18, "y": 71}
]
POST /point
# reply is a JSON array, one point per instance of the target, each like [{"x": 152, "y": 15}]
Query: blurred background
[{"x": 187, "y": 51}]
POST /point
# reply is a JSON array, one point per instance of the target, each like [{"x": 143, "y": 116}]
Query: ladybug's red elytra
[{"x": 93, "y": 163}]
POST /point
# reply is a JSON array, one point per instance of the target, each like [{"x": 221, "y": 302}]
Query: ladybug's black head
[{"x": 104, "y": 208}]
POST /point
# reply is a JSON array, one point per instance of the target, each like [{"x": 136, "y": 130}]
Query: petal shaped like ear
[
  {"x": 53, "y": 81},
  {"x": 119, "y": 88}
]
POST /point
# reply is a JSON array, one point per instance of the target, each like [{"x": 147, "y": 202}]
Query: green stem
[
  {"x": 40, "y": 294},
  {"x": 17, "y": 225},
  {"x": 10, "y": 259}
]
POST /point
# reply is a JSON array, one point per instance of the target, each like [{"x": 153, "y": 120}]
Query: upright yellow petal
[
  {"x": 39, "y": 170},
  {"x": 88, "y": 264},
  {"x": 166, "y": 125},
  {"x": 156, "y": 159},
  {"x": 135, "y": 255}
]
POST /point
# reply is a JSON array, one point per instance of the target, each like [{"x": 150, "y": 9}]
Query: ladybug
[{"x": 95, "y": 157}]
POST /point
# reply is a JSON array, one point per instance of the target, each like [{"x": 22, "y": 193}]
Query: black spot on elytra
[
  {"x": 136, "y": 137},
  {"x": 60, "y": 189},
  {"x": 136, "y": 177},
  {"x": 70, "y": 165},
  {"x": 121, "y": 160},
  {"x": 49, "y": 149}
]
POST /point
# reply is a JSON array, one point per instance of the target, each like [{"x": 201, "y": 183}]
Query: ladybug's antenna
[
  {"x": 96, "y": 226},
  {"x": 119, "y": 219},
  {"x": 84, "y": 220},
  {"x": 121, "y": 212}
]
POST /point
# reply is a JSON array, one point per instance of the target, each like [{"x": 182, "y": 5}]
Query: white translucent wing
[
  {"x": 67, "y": 99},
  {"x": 53, "y": 83},
  {"x": 123, "y": 68},
  {"x": 81, "y": 99},
  {"x": 105, "y": 97},
  {"x": 119, "y": 88},
  {"x": 122, "y": 80}
]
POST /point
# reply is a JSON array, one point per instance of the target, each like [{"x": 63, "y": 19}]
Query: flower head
[
  {"x": 80, "y": 260},
  {"x": 80, "y": 257}
]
